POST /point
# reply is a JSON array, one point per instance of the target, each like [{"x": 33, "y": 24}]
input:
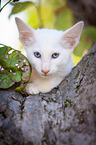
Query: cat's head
[{"x": 49, "y": 51}]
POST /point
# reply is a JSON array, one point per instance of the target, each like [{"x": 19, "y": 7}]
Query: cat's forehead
[
  {"x": 49, "y": 35},
  {"x": 47, "y": 41}
]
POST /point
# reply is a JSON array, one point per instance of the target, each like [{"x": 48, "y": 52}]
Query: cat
[{"x": 49, "y": 53}]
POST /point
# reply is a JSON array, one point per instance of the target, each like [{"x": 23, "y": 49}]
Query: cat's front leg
[{"x": 31, "y": 89}]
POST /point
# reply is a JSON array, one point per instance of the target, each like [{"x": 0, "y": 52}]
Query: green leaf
[
  {"x": 20, "y": 6},
  {"x": 87, "y": 38},
  {"x": 3, "y": 51},
  {"x": 90, "y": 31},
  {"x": 14, "y": 68},
  {"x": 63, "y": 20}
]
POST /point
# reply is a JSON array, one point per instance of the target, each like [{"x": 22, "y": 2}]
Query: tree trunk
[{"x": 65, "y": 116}]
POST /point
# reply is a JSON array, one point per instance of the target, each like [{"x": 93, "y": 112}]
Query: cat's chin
[{"x": 46, "y": 76}]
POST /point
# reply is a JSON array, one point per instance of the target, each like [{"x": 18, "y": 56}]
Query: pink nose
[{"x": 45, "y": 71}]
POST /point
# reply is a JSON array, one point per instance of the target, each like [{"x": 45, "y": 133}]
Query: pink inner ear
[
  {"x": 26, "y": 38},
  {"x": 68, "y": 41},
  {"x": 71, "y": 40},
  {"x": 71, "y": 36}
]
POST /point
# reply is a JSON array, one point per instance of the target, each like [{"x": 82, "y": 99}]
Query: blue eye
[
  {"x": 55, "y": 55},
  {"x": 37, "y": 54}
]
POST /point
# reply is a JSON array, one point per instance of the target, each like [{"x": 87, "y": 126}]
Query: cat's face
[
  {"x": 49, "y": 51},
  {"x": 46, "y": 54}
]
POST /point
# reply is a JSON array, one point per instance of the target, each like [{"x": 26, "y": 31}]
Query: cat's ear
[
  {"x": 26, "y": 34},
  {"x": 71, "y": 37}
]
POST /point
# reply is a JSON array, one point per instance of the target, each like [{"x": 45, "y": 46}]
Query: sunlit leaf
[
  {"x": 14, "y": 67},
  {"x": 33, "y": 17},
  {"x": 76, "y": 59},
  {"x": 55, "y": 3},
  {"x": 47, "y": 15},
  {"x": 20, "y": 6}
]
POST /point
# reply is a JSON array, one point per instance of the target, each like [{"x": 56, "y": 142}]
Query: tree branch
[
  {"x": 5, "y": 5},
  {"x": 64, "y": 116}
]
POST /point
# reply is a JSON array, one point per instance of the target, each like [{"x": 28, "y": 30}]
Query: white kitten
[{"x": 49, "y": 52}]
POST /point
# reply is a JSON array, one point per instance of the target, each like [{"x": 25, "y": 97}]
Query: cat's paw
[{"x": 31, "y": 89}]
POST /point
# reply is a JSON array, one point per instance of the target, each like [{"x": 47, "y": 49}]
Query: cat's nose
[{"x": 45, "y": 71}]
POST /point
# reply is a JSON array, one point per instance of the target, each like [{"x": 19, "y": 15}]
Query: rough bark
[
  {"x": 84, "y": 10},
  {"x": 65, "y": 116}
]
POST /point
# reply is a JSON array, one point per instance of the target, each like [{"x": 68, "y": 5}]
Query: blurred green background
[{"x": 54, "y": 14}]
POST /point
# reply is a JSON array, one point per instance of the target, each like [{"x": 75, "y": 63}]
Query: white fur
[{"x": 47, "y": 42}]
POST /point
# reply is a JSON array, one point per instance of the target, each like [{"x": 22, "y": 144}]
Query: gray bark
[{"x": 65, "y": 116}]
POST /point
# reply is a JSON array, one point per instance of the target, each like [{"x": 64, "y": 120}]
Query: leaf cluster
[{"x": 14, "y": 68}]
